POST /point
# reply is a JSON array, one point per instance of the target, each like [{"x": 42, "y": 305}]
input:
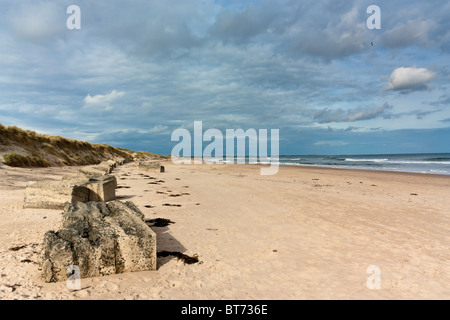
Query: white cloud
[
  {"x": 103, "y": 98},
  {"x": 409, "y": 79},
  {"x": 158, "y": 129}
]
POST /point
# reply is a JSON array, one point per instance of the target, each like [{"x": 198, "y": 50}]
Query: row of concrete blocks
[
  {"x": 151, "y": 166},
  {"x": 92, "y": 183},
  {"x": 97, "y": 236}
]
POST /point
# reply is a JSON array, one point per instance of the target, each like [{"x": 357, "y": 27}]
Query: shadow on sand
[{"x": 167, "y": 246}]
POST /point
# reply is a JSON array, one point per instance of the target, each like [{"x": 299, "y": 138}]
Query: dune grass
[
  {"x": 42, "y": 150},
  {"x": 16, "y": 160}
]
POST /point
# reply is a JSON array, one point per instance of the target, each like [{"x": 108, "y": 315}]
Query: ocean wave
[
  {"x": 438, "y": 159},
  {"x": 418, "y": 162},
  {"x": 387, "y": 161},
  {"x": 366, "y": 160}
]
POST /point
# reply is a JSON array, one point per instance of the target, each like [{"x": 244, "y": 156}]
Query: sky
[{"x": 137, "y": 70}]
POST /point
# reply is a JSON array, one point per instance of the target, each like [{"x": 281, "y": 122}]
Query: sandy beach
[{"x": 304, "y": 233}]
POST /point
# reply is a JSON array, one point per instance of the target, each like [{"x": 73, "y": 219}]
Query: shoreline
[
  {"x": 369, "y": 170},
  {"x": 311, "y": 167}
]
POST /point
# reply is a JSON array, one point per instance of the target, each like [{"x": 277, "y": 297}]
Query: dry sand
[{"x": 305, "y": 233}]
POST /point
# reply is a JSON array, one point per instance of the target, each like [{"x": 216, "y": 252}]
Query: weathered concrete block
[
  {"x": 112, "y": 164},
  {"x": 53, "y": 194},
  {"x": 101, "y": 239},
  {"x": 102, "y": 188},
  {"x": 92, "y": 171},
  {"x": 82, "y": 179},
  {"x": 120, "y": 161},
  {"x": 151, "y": 166},
  {"x": 104, "y": 166}
]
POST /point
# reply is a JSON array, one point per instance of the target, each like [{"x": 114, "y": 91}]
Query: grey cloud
[
  {"x": 351, "y": 115},
  {"x": 242, "y": 26},
  {"x": 419, "y": 114},
  {"x": 411, "y": 33},
  {"x": 444, "y": 100},
  {"x": 37, "y": 22},
  {"x": 147, "y": 28},
  {"x": 351, "y": 128},
  {"x": 331, "y": 143},
  {"x": 336, "y": 40},
  {"x": 422, "y": 25}
]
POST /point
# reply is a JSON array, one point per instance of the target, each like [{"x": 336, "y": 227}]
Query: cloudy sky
[{"x": 137, "y": 70}]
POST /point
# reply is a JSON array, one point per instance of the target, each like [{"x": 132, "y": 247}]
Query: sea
[{"x": 427, "y": 163}]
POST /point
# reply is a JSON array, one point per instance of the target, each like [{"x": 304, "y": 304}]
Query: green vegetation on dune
[
  {"x": 31, "y": 149},
  {"x": 16, "y": 160}
]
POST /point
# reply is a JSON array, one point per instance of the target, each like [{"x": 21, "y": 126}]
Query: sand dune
[
  {"x": 305, "y": 233},
  {"x": 25, "y": 148}
]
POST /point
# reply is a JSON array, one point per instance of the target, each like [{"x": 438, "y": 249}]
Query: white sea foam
[{"x": 366, "y": 160}]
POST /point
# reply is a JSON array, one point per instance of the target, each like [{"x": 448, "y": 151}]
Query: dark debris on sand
[
  {"x": 17, "y": 248},
  {"x": 159, "y": 222},
  {"x": 171, "y": 205},
  {"x": 180, "y": 256}
]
